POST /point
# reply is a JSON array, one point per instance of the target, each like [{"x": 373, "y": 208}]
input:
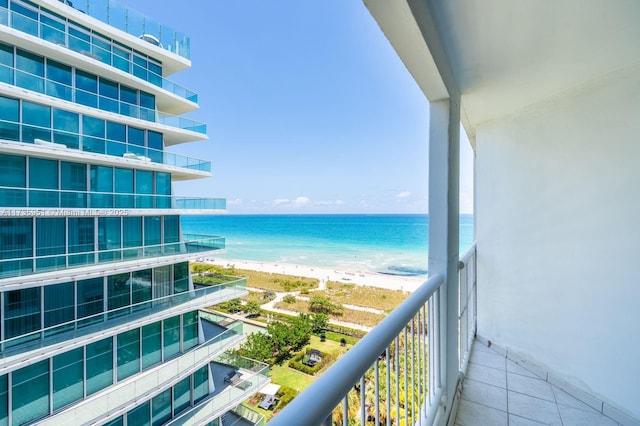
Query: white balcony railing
[{"x": 393, "y": 374}]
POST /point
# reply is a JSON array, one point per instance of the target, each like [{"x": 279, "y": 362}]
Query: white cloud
[
  {"x": 404, "y": 194},
  {"x": 281, "y": 201},
  {"x": 301, "y": 201},
  {"x": 234, "y": 202}
]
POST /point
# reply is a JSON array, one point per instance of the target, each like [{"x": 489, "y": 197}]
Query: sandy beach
[{"x": 324, "y": 274}]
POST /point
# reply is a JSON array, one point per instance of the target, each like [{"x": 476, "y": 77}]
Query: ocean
[{"x": 388, "y": 244}]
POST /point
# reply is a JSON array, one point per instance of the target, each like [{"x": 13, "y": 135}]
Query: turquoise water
[{"x": 391, "y": 244}]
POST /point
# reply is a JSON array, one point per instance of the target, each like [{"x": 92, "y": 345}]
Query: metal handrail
[{"x": 316, "y": 403}]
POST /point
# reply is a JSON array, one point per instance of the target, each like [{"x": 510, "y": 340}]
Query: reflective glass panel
[
  {"x": 128, "y": 353},
  {"x": 151, "y": 344},
  {"x": 99, "y": 365},
  {"x": 30, "y": 392},
  {"x": 68, "y": 377},
  {"x": 171, "y": 337},
  {"x": 182, "y": 395}
]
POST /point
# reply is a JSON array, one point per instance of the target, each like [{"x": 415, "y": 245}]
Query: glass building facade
[{"x": 100, "y": 322}]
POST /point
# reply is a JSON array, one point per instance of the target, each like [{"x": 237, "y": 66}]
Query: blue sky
[{"x": 308, "y": 108}]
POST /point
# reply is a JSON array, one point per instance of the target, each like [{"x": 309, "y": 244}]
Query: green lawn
[{"x": 294, "y": 379}]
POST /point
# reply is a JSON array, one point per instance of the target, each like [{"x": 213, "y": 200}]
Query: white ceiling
[{"x": 507, "y": 54}]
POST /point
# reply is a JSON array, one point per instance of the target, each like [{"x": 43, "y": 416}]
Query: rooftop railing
[
  {"x": 392, "y": 375},
  {"x": 134, "y": 23},
  {"x": 12, "y": 198},
  {"x": 57, "y": 31},
  {"x": 13, "y": 265},
  {"x": 47, "y": 337},
  {"x": 36, "y": 83}
]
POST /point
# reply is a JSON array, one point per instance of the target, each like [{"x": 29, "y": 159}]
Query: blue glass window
[
  {"x": 141, "y": 286},
  {"x": 80, "y": 237},
  {"x": 93, "y": 130},
  {"x": 117, "y": 135},
  {"x": 101, "y": 181},
  {"x": 200, "y": 384},
  {"x": 21, "y": 311},
  {"x": 68, "y": 377},
  {"x": 36, "y": 121},
  {"x": 80, "y": 39},
  {"x": 43, "y": 173},
  {"x": 124, "y": 185},
  {"x": 152, "y": 230},
  {"x": 9, "y": 117},
  {"x": 128, "y": 354},
  {"x": 118, "y": 291},
  {"x": 58, "y": 304},
  {"x": 74, "y": 181},
  {"x": 52, "y": 29},
  {"x": 66, "y": 127},
  {"x": 29, "y": 71},
  {"x": 190, "y": 330},
  {"x": 155, "y": 143},
  {"x": 50, "y": 241},
  {"x": 181, "y": 277},
  {"x": 13, "y": 174},
  {"x": 140, "y": 416},
  {"x": 144, "y": 185},
  {"x": 109, "y": 237},
  {"x": 86, "y": 89},
  {"x": 182, "y": 395},
  {"x": 132, "y": 231},
  {"x": 99, "y": 365},
  {"x": 4, "y": 400},
  {"x": 30, "y": 392},
  {"x": 90, "y": 297},
  {"x": 171, "y": 229},
  {"x": 161, "y": 408},
  {"x": 16, "y": 236},
  {"x": 151, "y": 344},
  {"x": 59, "y": 80},
  {"x": 6, "y": 58},
  {"x": 171, "y": 337}
]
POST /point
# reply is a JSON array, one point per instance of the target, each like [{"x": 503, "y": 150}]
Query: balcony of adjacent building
[
  {"x": 83, "y": 29},
  {"x": 80, "y": 90},
  {"x": 21, "y": 263},
  {"x": 131, "y": 299},
  {"x": 212, "y": 399},
  {"x": 127, "y": 369},
  {"x": 56, "y": 203}
]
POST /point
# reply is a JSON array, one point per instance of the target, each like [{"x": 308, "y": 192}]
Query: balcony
[
  {"x": 47, "y": 340},
  {"x": 393, "y": 375},
  {"x": 40, "y": 22},
  {"x": 57, "y": 89},
  {"x": 498, "y": 391},
  {"x": 14, "y": 265},
  {"x": 148, "y": 384},
  {"x": 14, "y": 201},
  {"x": 253, "y": 375},
  {"x": 68, "y": 143}
]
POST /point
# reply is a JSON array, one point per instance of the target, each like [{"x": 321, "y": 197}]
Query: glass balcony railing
[
  {"x": 61, "y": 32},
  {"x": 134, "y": 23},
  {"x": 33, "y": 198},
  {"x": 59, "y": 90},
  {"x": 202, "y": 296},
  {"x": 253, "y": 375},
  {"x": 54, "y": 138},
  {"x": 13, "y": 265},
  {"x": 147, "y": 384}
]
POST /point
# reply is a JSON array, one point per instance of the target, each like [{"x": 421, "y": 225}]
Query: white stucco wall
[{"x": 558, "y": 231}]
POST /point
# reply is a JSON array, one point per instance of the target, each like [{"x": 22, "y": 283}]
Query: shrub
[
  {"x": 296, "y": 362},
  {"x": 289, "y": 298}
]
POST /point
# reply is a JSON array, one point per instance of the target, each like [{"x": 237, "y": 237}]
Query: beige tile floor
[{"x": 497, "y": 391}]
